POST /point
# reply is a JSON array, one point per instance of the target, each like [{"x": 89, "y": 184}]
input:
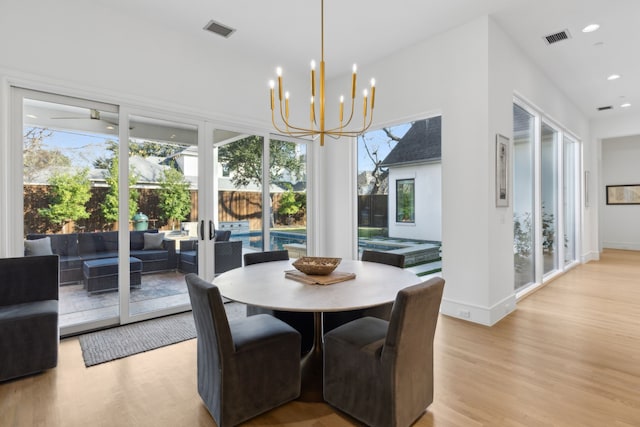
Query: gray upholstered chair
[
  {"x": 333, "y": 320},
  {"x": 245, "y": 367},
  {"x": 382, "y": 372},
  {"x": 29, "y": 334},
  {"x": 302, "y": 322}
]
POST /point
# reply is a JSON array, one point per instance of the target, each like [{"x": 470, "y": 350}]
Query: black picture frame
[{"x": 627, "y": 194}]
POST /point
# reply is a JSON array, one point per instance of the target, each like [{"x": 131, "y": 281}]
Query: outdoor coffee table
[{"x": 101, "y": 274}]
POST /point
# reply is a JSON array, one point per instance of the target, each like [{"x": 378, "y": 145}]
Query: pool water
[{"x": 277, "y": 239}]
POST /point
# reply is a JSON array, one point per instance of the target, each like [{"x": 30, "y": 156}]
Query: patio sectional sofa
[
  {"x": 227, "y": 254},
  {"x": 156, "y": 254}
]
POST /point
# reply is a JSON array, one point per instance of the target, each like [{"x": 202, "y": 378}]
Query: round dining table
[{"x": 265, "y": 285}]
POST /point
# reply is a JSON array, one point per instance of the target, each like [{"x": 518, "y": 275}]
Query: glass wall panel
[
  {"x": 570, "y": 202},
  {"x": 288, "y": 194},
  {"x": 549, "y": 175},
  {"x": 240, "y": 185},
  {"x": 66, "y": 187},
  {"x": 400, "y": 192},
  {"x": 163, "y": 211},
  {"x": 523, "y": 196}
]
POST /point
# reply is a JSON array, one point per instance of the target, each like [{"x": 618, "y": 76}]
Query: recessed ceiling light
[
  {"x": 110, "y": 127},
  {"x": 590, "y": 28},
  {"x": 613, "y": 77},
  {"x": 32, "y": 116},
  {"x": 625, "y": 105}
]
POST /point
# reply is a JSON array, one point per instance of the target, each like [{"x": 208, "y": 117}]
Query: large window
[
  {"x": 545, "y": 211},
  {"x": 399, "y": 192}
]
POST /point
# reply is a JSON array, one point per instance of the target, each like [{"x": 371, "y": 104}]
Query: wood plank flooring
[{"x": 568, "y": 356}]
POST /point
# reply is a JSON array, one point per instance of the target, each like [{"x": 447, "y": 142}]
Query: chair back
[
  {"x": 212, "y": 326},
  {"x": 408, "y": 350},
  {"x": 395, "y": 260},
  {"x": 268, "y": 256}
]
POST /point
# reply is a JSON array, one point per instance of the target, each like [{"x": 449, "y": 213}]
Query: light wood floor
[{"x": 568, "y": 356}]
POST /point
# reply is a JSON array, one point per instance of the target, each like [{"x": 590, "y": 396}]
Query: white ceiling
[{"x": 288, "y": 31}]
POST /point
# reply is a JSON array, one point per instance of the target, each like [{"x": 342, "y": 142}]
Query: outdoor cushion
[
  {"x": 61, "y": 244},
  {"x": 189, "y": 256},
  {"x": 150, "y": 255},
  {"x": 38, "y": 247},
  {"x": 153, "y": 241}
]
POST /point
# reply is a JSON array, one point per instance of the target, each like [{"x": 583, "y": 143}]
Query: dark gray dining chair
[
  {"x": 302, "y": 322},
  {"x": 333, "y": 320},
  {"x": 380, "y": 372},
  {"x": 245, "y": 367}
]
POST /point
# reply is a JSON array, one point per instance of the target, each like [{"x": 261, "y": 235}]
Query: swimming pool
[{"x": 277, "y": 239}]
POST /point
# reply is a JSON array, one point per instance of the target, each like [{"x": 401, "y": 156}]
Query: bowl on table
[{"x": 317, "y": 266}]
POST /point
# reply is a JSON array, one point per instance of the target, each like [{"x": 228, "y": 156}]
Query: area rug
[{"x": 116, "y": 343}]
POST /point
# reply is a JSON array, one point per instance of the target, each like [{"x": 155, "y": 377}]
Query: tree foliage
[
  {"x": 69, "y": 194},
  {"x": 243, "y": 158},
  {"x": 142, "y": 149},
  {"x": 378, "y": 173},
  {"x": 110, "y": 204},
  {"x": 289, "y": 205},
  {"x": 36, "y": 157},
  {"x": 175, "y": 198}
]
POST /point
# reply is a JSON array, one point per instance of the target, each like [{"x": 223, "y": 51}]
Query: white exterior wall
[{"x": 428, "y": 212}]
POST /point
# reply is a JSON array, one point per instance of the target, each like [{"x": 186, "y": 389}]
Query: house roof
[{"x": 422, "y": 143}]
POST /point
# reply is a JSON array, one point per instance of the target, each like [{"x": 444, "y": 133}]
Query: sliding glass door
[
  {"x": 261, "y": 191},
  {"x": 114, "y": 193},
  {"x": 546, "y": 198}
]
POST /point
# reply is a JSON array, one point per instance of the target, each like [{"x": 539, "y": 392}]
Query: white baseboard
[
  {"x": 487, "y": 316},
  {"x": 630, "y": 246},
  {"x": 590, "y": 256}
]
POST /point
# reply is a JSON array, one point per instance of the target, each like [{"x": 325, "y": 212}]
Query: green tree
[
  {"x": 175, "y": 198},
  {"x": 289, "y": 205},
  {"x": 36, "y": 156},
  {"x": 243, "y": 159},
  {"x": 68, "y": 195},
  {"x": 110, "y": 205}
]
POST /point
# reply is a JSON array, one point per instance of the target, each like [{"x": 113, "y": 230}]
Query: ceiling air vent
[
  {"x": 219, "y": 29},
  {"x": 607, "y": 107},
  {"x": 557, "y": 37}
]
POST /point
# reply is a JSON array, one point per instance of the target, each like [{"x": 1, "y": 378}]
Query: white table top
[{"x": 265, "y": 285}]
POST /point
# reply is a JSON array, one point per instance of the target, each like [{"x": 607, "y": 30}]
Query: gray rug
[{"x": 116, "y": 343}]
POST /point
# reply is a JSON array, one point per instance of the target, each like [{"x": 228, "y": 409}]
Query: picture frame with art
[
  {"x": 628, "y": 194},
  {"x": 502, "y": 171}
]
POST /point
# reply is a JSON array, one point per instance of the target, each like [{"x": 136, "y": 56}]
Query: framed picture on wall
[
  {"x": 502, "y": 170},
  {"x": 628, "y": 194}
]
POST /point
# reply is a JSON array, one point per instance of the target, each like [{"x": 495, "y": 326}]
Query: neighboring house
[{"x": 415, "y": 183}]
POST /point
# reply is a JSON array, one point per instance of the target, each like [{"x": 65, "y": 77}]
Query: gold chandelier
[{"x": 317, "y": 122}]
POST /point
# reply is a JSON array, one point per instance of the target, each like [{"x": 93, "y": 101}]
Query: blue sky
[
  {"x": 378, "y": 141},
  {"x": 81, "y": 148}
]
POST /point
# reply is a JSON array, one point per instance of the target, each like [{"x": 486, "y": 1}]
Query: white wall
[
  {"x": 604, "y": 131},
  {"x": 620, "y": 224},
  {"x": 468, "y": 75},
  {"x": 428, "y": 212}
]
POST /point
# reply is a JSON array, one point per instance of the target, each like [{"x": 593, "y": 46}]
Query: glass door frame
[{"x": 539, "y": 120}]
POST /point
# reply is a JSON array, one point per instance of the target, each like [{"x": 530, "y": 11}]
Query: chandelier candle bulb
[
  {"x": 286, "y": 105},
  {"x": 341, "y": 109},
  {"x": 271, "y": 86},
  {"x": 353, "y": 82},
  {"x": 364, "y": 105},
  {"x": 313, "y": 78},
  {"x": 279, "y": 73}
]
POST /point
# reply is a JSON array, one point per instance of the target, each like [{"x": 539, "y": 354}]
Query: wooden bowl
[{"x": 317, "y": 266}]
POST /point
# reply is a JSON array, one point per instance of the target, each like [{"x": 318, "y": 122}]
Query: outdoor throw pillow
[
  {"x": 38, "y": 247},
  {"x": 153, "y": 241}
]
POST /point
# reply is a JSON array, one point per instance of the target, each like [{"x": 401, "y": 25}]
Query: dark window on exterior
[{"x": 405, "y": 200}]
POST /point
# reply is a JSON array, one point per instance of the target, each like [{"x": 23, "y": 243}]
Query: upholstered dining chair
[
  {"x": 333, "y": 320},
  {"x": 382, "y": 372},
  {"x": 302, "y": 322},
  {"x": 245, "y": 367}
]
